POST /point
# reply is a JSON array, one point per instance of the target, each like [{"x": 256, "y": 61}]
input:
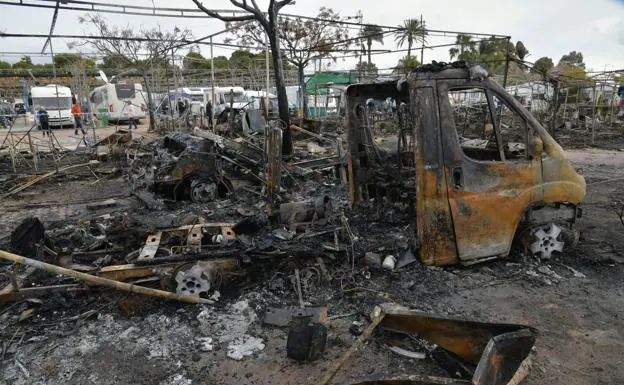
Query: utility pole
[
  {"x": 175, "y": 86},
  {"x": 506, "y": 63},
  {"x": 422, "y": 42},
  {"x": 212, "y": 85},
  {"x": 360, "y": 18},
  {"x": 268, "y": 76}
]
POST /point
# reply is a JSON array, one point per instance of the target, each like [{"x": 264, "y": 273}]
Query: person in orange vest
[{"x": 76, "y": 111}]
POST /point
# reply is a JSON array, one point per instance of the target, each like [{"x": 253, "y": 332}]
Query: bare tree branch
[
  {"x": 281, "y": 4},
  {"x": 216, "y": 15},
  {"x": 138, "y": 50},
  {"x": 256, "y": 6},
  {"x": 269, "y": 22}
]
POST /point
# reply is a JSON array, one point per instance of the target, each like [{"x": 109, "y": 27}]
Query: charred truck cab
[{"x": 486, "y": 173}]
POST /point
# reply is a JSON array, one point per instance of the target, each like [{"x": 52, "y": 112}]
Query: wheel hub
[
  {"x": 203, "y": 192},
  {"x": 546, "y": 240},
  {"x": 196, "y": 280}
]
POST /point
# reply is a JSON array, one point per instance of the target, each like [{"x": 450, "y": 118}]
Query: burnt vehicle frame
[{"x": 467, "y": 208}]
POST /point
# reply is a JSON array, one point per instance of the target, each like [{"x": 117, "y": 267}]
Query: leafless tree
[
  {"x": 79, "y": 79},
  {"x": 269, "y": 22},
  {"x": 134, "y": 49},
  {"x": 303, "y": 40}
]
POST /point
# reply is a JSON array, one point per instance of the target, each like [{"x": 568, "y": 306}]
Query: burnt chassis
[{"x": 466, "y": 210}]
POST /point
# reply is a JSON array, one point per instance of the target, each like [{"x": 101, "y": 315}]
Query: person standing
[
  {"x": 181, "y": 107},
  {"x": 209, "y": 112},
  {"x": 76, "y": 111},
  {"x": 130, "y": 113},
  {"x": 44, "y": 122}
]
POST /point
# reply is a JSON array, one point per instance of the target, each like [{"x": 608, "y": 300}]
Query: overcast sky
[{"x": 547, "y": 27}]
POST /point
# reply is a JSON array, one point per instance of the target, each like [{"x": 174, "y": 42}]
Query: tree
[
  {"x": 138, "y": 50},
  {"x": 24, "y": 63},
  {"x": 114, "y": 61},
  {"x": 410, "y": 32},
  {"x": 5, "y": 65},
  {"x": 521, "y": 50},
  {"x": 371, "y": 33},
  {"x": 242, "y": 59},
  {"x": 493, "y": 53},
  {"x": 63, "y": 60},
  {"x": 466, "y": 48},
  {"x": 366, "y": 68},
  {"x": 543, "y": 65},
  {"x": 79, "y": 81},
  {"x": 269, "y": 22},
  {"x": 302, "y": 40},
  {"x": 572, "y": 59},
  {"x": 220, "y": 62},
  {"x": 406, "y": 65},
  {"x": 195, "y": 61}
]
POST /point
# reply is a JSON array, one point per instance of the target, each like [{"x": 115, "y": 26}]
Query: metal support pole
[
  {"x": 316, "y": 111},
  {"x": 212, "y": 85},
  {"x": 342, "y": 172},
  {"x": 422, "y": 43},
  {"x": 593, "y": 123},
  {"x": 273, "y": 167},
  {"x": 553, "y": 122},
  {"x": 565, "y": 104},
  {"x": 58, "y": 104},
  {"x": 268, "y": 78},
  {"x": 611, "y": 109},
  {"x": 506, "y": 64},
  {"x": 175, "y": 88},
  {"x": 12, "y": 152},
  {"x": 32, "y": 151}
]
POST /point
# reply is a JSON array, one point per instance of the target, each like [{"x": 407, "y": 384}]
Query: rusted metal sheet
[
  {"x": 127, "y": 272},
  {"x": 466, "y": 339},
  {"x": 490, "y": 354},
  {"x": 132, "y": 271},
  {"x": 502, "y": 357},
  {"x": 151, "y": 246},
  {"x": 436, "y": 238}
]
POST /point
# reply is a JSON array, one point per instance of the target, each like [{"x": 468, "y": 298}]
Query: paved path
[{"x": 65, "y": 136}]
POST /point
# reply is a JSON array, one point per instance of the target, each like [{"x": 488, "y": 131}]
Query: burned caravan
[{"x": 484, "y": 173}]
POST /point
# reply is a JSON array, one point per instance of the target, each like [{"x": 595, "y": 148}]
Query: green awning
[{"x": 318, "y": 84}]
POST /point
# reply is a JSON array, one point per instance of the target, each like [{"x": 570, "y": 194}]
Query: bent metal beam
[{"x": 102, "y": 281}]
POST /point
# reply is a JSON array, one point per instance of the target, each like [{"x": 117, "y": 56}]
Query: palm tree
[
  {"x": 466, "y": 45},
  {"x": 406, "y": 65},
  {"x": 411, "y": 31},
  {"x": 371, "y": 33}
]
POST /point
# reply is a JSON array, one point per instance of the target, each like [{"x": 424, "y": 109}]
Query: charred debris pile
[{"x": 213, "y": 217}]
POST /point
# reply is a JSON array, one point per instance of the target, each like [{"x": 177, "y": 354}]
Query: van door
[
  {"x": 436, "y": 241},
  {"x": 492, "y": 177}
]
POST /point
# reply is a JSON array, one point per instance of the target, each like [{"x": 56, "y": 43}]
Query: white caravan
[
  {"x": 57, "y": 101},
  {"x": 255, "y": 99},
  {"x": 113, "y": 98},
  {"x": 222, "y": 96},
  {"x": 197, "y": 96}
]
